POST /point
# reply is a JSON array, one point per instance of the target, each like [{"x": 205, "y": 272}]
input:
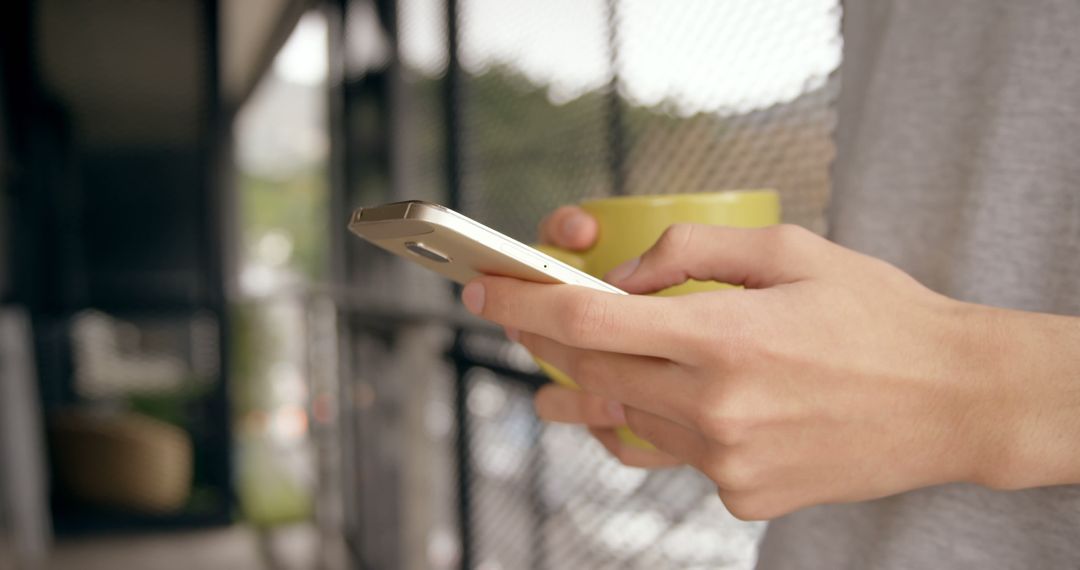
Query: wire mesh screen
[
  {"x": 571, "y": 100},
  {"x": 549, "y": 496},
  {"x": 730, "y": 94}
]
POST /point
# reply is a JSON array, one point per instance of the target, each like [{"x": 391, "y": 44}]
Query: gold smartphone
[{"x": 461, "y": 248}]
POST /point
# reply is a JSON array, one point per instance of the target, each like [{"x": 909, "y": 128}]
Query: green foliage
[
  {"x": 268, "y": 495},
  {"x": 252, "y": 342},
  {"x": 296, "y": 205}
]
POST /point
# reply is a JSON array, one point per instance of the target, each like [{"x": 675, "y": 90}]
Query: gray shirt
[{"x": 958, "y": 161}]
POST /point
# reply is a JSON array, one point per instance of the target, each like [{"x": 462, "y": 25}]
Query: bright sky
[
  {"x": 303, "y": 58},
  {"x": 700, "y": 55}
]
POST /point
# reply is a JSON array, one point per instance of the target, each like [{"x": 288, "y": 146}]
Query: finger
[
  {"x": 555, "y": 403},
  {"x": 756, "y": 258},
  {"x": 569, "y": 227},
  {"x": 653, "y": 384},
  {"x": 759, "y": 505},
  {"x": 678, "y": 441},
  {"x": 582, "y": 317},
  {"x": 632, "y": 456}
]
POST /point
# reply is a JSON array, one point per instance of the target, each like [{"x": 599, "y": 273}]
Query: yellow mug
[{"x": 630, "y": 225}]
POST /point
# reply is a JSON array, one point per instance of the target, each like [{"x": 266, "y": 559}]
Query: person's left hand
[{"x": 831, "y": 377}]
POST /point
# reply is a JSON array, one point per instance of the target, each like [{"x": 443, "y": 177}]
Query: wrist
[
  {"x": 1025, "y": 368},
  {"x": 990, "y": 412}
]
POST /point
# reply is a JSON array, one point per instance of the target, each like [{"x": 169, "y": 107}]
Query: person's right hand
[{"x": 570, "y": 227}]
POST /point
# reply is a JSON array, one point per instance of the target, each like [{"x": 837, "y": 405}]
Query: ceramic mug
[{"x": 630, "y": 225}]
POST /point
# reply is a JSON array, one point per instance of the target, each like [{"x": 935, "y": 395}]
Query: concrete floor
[{"x": 235, "y": 548}]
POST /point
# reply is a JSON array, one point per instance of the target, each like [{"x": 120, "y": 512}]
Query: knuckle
[
  {"x": 729, "y": 429},
  {"x": 719, "y": 418},
  {"x": 734, "y": 471},
  {"x": 675, "y": 238},
  {"x": 789, "y": 233},
  {"x": 587, "y": 316},
  {"x": 789, "y": 237},
  {"x": 747, "y": 507}
]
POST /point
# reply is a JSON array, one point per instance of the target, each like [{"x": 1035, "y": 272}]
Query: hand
[
  {"x": 570, "y": 227},
  {"x": 831, "y": 377}
]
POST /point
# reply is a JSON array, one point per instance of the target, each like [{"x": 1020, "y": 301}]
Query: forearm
[{"x": 1034, "y": 430}]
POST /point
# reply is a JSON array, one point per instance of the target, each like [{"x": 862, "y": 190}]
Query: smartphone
[{"x": 461, "y": 248}]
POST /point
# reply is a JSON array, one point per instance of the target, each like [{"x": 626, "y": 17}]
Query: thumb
[{"x": 755, "y": 258}]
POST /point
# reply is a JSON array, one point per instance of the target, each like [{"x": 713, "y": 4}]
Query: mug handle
[{"x": 558, "y": 376}]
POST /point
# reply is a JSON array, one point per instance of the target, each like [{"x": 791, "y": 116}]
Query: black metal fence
[{"x": 506, "y": 110}]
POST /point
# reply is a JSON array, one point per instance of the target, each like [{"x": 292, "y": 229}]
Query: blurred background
[{"x": 200, "y": 368}]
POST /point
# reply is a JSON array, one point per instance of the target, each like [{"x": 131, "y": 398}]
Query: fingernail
[
  {"x": 473, "y": 297},
  {"x": 573, "y": 225},
  {"x": 623, "y": 271},
  {"x": 616, "y": 412},
  {"x": 512, "y": 334}
]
